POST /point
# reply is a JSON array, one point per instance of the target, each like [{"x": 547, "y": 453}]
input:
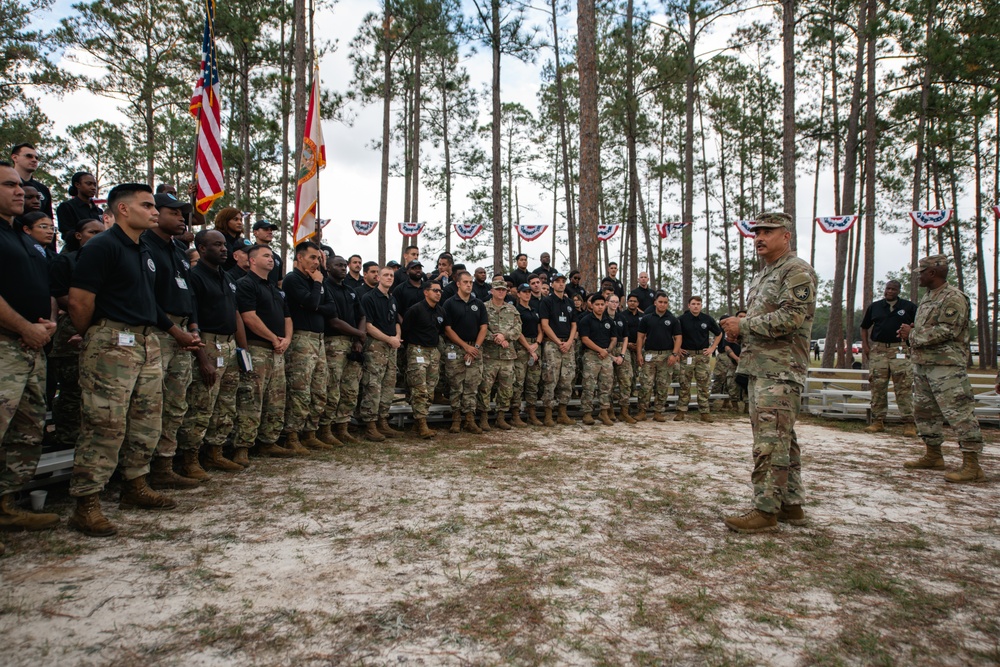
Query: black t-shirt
[
  {"x": 645, "y": 296},
  {"x": 599, "y": 331},
  {"x": 260, "y": 296},
  {"x": 381, "y": 311},
  {"x": 215, "y": 296},
  {"x": 24, "y": 274},
  {"x": 885, "y": 320},
  {"x": 660, "y": 331},
  {"x": 698, "y": 332},
  {"x": 348, "y": 305},
  {"x": 465, "y": 317},
  {"x": 121, "y": 273},
  {"x": 407, "y": 295},
  {"x": 73, "y": 211},
  {"x": 422, "y": 325},
  {"x": 307, "y": 301},
  {"x": 173, "y": 295},
  {"x": 631, "y": 324},
  {"x": 530, "y": 320},
  {"x": 560, "y": 314}
]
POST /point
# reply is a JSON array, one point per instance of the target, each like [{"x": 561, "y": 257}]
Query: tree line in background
[{"x": 642, "y": 111}]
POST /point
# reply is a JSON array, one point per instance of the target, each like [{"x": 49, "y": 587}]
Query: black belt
[
  {"x": 310, "y": 334},
  {"x": 138, "y": 330},
  {"x": 260, "y": 343}
]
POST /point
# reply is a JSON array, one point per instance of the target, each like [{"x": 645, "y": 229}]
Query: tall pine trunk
[
  {"x": 788, "y": 114},
  {"x": 590, "y": 148}
]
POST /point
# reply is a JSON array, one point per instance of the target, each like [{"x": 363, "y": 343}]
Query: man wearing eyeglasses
[{"x": 25, "y": 159}]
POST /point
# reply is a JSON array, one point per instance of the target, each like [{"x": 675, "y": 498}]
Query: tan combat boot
[
  {"x": 274, "y": 450},
  {"x": 605, "y": 418},
  {"x": 877, "y": 426},
  {"x": 216, "y": 461},
  {"x": 470, "y": 424},
  {"x": 501, "y": 422},
  {"x": 456, "y": 423},
  {"x": 240, "y": 457},
  {"x": 13, "y": 518},
  {"x": 969, "y": 472},
  {"x": 388, "y": 431},
  {"x": 421, "y": 429},
  {"x": 136, "y": 494},
  {"x": 564, "y": 418},
  {"x": 792, "y": 514},
  {"x": 706, "y": 417},
  {"x": 88, "y": 518},
  {"x": 588, "y": 418},
  {"x": 310, "y": 440},
  {"x": 611, "y": 415},
  {"x": 515, "y": 419},
  {"x": 660, "y": 417},
  {"x": 626, "y": 417},
  {"x": 294, "y": 445},
  {"x": 372, "y": 433},
  {"x": 679, "y": 417},
  {"x": 191, "y": 466},
  {"x": 484, "y": 421},
  {"x": 548, "y": 418},
  {"x": 533, "y": 416},
  {"x": 162, "y": 475},
  {"x": 641, "y": 415},
  {"x": 326, "y": 436},
  {"x": 931, "y": 460},
  {"x": 344, "y": 435},
  {"x": 754, "y": 521},
  {"x": 909, "y": 430}
]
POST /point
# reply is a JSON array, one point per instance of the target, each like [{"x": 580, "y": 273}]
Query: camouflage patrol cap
[
  {"x": 934, "y": 262},
  {"x": 774, "y": 220},
  {"x": 499, "y": 283}
]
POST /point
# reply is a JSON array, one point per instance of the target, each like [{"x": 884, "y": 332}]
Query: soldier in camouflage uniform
[
  {"x": 378, "y": 380},
  {"x": 528, "y": 367},
  {"x": 465, "y": 328},
  {"x": 260, "y": 412},
  {"x": 344, "y": 341},
  {"x": 599, "y": 337},
  {"x": 24, "y": 330},
  {"x": 499, "y": 354},
  {"x": 559, "y": 326},
  {"x": 889, "y": 357},
  {"x": 939, "y": 340},
  {"x": 775, "y": 355},
  {"x": 622, "y": 362},
  {"x": 422, "y": 327},
  {"x": 657, "y": 349},
  {"x": 697, "y": 329}
]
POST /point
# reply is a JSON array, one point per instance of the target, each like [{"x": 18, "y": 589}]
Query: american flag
[{"x": 205, "y": 107}]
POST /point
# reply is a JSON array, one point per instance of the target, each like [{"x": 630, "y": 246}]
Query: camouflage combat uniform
[
  {"x": 598, "y": 374},
  {"x": 22, "y": 410},
  {"x": 498, "y": 362},
  {"x": 940, "y": 343},
  {"x": 260, "y": 417},
  {"x": 378, "y": 380},
  {"x": 775, "y": 334}
]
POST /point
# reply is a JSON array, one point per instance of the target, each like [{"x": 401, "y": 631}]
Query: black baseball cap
[
  {"x": 524, "y": 287},
  {"x": 265, "y": 224},
  {"x": 164, "y": 200},
  {"x": 413, "y": 263},
  {"x": 392, "y": 264}
]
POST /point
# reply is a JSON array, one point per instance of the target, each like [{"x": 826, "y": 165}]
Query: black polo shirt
[
  {"x": 278, "y": 272},
  {"x": 233, "y": 242},
  {"x": 363, "y": 289},
  {"x": 697, "y": 332},
  {"x": 121, "y": 273},
  {"x": 261, "y": 297},
  {"x": 884, "y": 320},
  {"x": 407, "y": 296},
  {"x": 531, "y": 321},
  {"x": 536, "y": 302},
  {"x": 619, "y": 288},
  {"x": 480, "y": 290},
  {"x": 735, "y": 346},
  {"x": 450, "y": 290},
  {"x": 631, "y": 324},
  {"x": 173, "y": 295},
  {"x": 547, "y": 270},
  {"x": 73, "y": 211},
  {"x": 660, "y": 331},
  {"x": 61, "y": 273},
  {"x": 351, "y": 281},
  {"x": 599, "y": 331},
  {"x": 306, "y": 299},
  {"x": 465, "y": 317},
  {"x": 560, "y": 313},
  {"x": 215, "y": 297},
  {"x": 381, "y": 311},
  {"x": 24, "y": 274},
  {"x": 45, "y": 197},
  {"x": 572, "y": 290},
  {"x": 236, "y": 273},
  {"x": 645, "y": 296},
  {"x": 621, "y": 329},
  {"x": 518, "y": 277},
  {"x": 348, "y": 305},
  {"x": 422, "y": 325}
]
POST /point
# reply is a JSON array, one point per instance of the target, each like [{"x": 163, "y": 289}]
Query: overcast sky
[{"x": 350, "y": 183}]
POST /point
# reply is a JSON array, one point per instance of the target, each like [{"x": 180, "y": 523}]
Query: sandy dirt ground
[{"x": 575, "y": 545}]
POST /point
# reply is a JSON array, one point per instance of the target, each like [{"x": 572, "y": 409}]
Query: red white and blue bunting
[
  {"x": 323, "y": 223},
  {"x": 837, "y": 224},
  {"x": 467, "y": 232},
  {"x": 606, "y": 232},
  {"x": 530, "y": 232},
  {"x": 931, "y": 219},
  {"x": 665, "y": 228},
  {"x": 411, "y": 228},
  {"x": 364, "y": 227},
  {"x": 745, "y": 228}
]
